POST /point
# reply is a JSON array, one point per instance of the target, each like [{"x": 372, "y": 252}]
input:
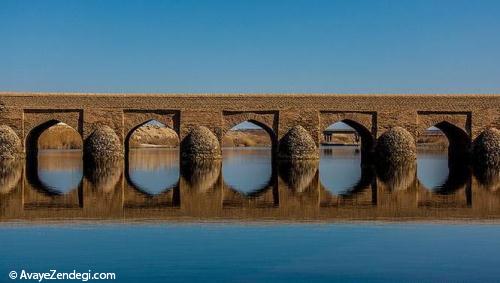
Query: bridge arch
[
  {"x": 31, "y": 140},
  {"x": 443, "y": 173},
  {"x": 153, "y": 122},
  {"x": 248, "y": 169},
  {"x": 266, "y": 121},
  {"x": 367, "y": 139},
  {"x": 459, "y": 141},
  {"x": 49, "y": 173},
  {"x": 270, "y": 132},
  {"x": 152, "y": 157}
]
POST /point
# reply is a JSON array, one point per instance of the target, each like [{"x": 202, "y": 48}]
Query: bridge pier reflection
[
  {"x": 299, "y": 188},
  {"x": 201, "y": 188},
  {"x": 11, "y": 189},
  {"x": 397, "y": 187},
  {"x": 103, "y": 192},
  {"x": 294, "y": 192}
]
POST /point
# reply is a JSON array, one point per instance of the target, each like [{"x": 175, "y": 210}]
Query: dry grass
[
  {"x": 246, "y": 138},
  {"x": 60, "y": 136},
  {"x": 433, "y": 140},
  {"x": 152, "y": 135}
]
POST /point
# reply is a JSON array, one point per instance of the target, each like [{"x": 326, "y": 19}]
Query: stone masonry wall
[{"x": 280, "y": 112}]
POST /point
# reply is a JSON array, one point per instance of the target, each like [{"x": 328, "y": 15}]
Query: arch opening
[
  {"x": 54, "y": 157},
  {"x": 247, "y": 153},
  {"x": 152, "y": 158},
  {"x": 345, "y": 146},
  {"x": 348, "y": 132},
  {"x": 249, "y": 133},
  {"x": 442, "y": 156}
]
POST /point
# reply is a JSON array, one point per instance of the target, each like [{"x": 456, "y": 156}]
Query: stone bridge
[{"x": 461, "y": 117}]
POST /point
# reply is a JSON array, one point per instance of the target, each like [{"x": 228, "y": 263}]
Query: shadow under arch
[
  {"x": 31, "y": 164},
  {"x": 343, "y": 170},
  {"x": 459, "y": 142},
  {"x": 365, "y": 181},
  {"x": 459, "y": 176},
  {"x": 367, "y": 139}
]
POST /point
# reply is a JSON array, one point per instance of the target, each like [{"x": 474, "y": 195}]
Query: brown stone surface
[
  {"x": 103, "y": 146},
  {"x": 200, "y": 143},
  {"x": 396, "y": 147},
  {"x": 10, "y": 144},
  {"x": 297, "y": 144},
  {"x": 461, "y": 115},
  {"x": 486, "y": 150}
]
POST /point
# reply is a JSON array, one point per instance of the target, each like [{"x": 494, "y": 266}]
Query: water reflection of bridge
[{"x": 294, "y": 192}]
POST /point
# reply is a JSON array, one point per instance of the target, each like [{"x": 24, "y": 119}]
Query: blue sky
[{"x": 398, "y": 46}]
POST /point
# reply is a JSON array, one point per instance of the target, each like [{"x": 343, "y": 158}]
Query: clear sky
[{"x": 372, "y": 46}]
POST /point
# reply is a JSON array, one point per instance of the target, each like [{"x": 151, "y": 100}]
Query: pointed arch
[
  {"x": 269, "y": 131},
  {"x": 459, "y": 141},
  {"x": 362, "y": 123},
  {"x": 134, "y": 128},
  {"x": 154, "y": 158},
  {"x": 31, "y": 140},
  {"x": 31, "y": 145},
  {"x": 266, "y": 120},
  {"x": 455, "y": 126}
]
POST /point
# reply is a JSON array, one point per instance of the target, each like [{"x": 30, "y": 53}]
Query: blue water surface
[{"x": 258, "y": 252}]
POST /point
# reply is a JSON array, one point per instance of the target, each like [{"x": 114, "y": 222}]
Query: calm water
[
  {"x": 259, "y": 253},
  {"x": 282, "y": 222}
]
